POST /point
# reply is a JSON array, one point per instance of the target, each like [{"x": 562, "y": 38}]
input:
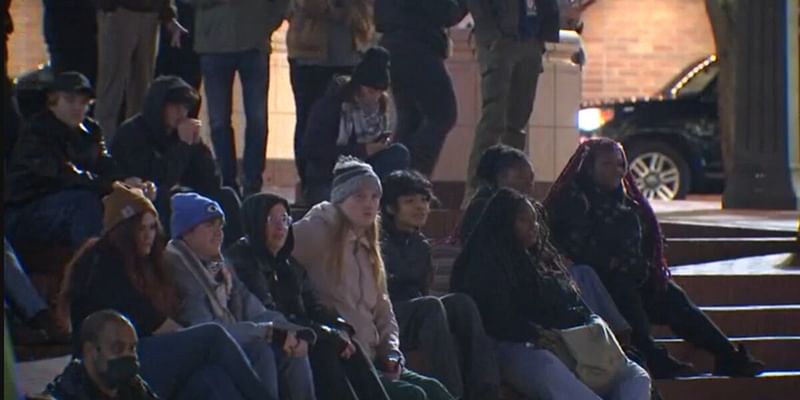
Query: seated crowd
[{"x": 180, "y": 290}]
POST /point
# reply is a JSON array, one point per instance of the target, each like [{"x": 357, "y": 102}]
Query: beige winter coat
[{"x": 354, "y": 295}]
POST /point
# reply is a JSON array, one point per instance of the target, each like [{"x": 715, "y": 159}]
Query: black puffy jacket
[{"x": 407, "y": 258}]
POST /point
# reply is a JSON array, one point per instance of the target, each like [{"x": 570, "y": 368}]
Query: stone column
[{"x": 766, "y": 157}]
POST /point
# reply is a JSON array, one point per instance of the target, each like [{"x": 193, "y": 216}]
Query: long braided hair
[{"x": 577, "y": 170}]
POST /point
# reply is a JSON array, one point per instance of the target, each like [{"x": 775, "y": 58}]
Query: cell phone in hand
[
  {"x": 383, "y": 137},
  {"x": 392, "y": 362}
]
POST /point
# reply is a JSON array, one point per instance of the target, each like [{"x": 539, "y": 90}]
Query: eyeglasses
[{"x": 283, "y": 220}]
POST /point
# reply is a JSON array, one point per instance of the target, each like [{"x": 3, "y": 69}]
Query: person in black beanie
[
  {"x": 415, "y": 33},
  {"x": 352, "y": 119}
]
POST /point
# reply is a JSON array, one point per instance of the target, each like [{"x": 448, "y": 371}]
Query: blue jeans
[
  {"x": 277, "y": 370},
  {"x": 539, "y": 374},
  {"x": 218, "y": 73},
  {"x": 594, "y": 294},
  {"x": 18, "y": 288},
  {"x": 68, "y": 217},
  {"x": 203, "y": 359}
]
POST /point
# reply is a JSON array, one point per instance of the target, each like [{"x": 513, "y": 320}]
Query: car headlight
[{"x": 590, "y": 119}]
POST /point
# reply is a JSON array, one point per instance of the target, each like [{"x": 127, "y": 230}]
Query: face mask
[{"x": 120, "y": 371}]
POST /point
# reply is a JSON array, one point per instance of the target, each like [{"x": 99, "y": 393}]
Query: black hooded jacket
[
  {"x": 144, "y": 148},
  {"x": 407, "y": 257},
  {"x": 50, "y": 156},
  {"x": 277, "y": 280},
  {"x": 75, "y": 384},
  {"x": 516, "y": 291}
]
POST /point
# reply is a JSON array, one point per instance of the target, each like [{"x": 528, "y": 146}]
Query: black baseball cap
[{"x": 72, "y": 82}]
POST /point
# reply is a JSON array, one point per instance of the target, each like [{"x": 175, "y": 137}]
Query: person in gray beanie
[
  {"x": 338, "y": 243},
  {"x": 352, "y": 119}
]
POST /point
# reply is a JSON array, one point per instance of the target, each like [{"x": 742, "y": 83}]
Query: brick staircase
[{"x": 744, "y": 274}]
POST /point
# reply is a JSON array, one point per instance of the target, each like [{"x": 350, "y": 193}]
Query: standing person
[
  {"x": 510, "y": 36},
  {"x": 448, "y": 330},
  {"x": 127, "y": 38},
  {"x": 182, "y": 60},
  {"x": 338, "y": 242},
  {"x": 352, "y": 119},
  {"x": 162, "y": 144},
  {"x": 324, "y": 40},
  {"x": 599, "y": 217},
  {"x": 415, "y": 33},
  {"x": 262, "y": 258},
  {"x": 231, "y": 37},
  {"x": 525, "y": 294},
  {"x": 210, "y": 291},
  {"x": 70, "y": 32},
  {"x": 124, "y": 270}
]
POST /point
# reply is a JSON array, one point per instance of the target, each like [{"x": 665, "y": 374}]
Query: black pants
[
  {"x": 339, "y": 379},
  {"x": 309, "y": 83},
  {"x": 70, "y": 32},
  {"x": 672, "y": 307},
  {"x": 449, "y": 331},
  {"x": 424, "y": 100},
  {"x": 181, "y": 61}
]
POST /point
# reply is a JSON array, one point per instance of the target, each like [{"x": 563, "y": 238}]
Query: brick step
[
  {"x": 783, "y": 385},
  {"x": 765, "y": 289},
  {"x": 779, "y": 353},
  {"x": 689, "y": 230},
  {"x": 684, "y": 251},
  {"x": 747, "y": 321}
]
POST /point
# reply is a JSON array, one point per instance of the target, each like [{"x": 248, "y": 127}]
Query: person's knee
[
  {"x": 430, "y": 305},
  {"x": 398, "y": 155},
  {"x": 460, "y": 305}
]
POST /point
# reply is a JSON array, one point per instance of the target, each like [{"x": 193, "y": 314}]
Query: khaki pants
[
  {"x": 127, "y": 43},
  {"x": 509, "y": 73}
]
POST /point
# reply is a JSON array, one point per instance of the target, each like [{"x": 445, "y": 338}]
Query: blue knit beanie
[
  {"x": 190, "y": 210},
  {"x": 348, "y": 175}
]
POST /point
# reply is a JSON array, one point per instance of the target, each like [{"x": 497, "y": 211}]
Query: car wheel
[{"x": 661, "y": 173}]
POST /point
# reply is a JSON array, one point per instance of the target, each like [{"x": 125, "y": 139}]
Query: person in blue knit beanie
[{"x": 210, "y": 291}]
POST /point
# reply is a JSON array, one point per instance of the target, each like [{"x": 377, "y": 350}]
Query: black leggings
[{"x": 643, "y": 306}]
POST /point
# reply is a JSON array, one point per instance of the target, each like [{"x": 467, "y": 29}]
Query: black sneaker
[
  {"x": 664, "y": 366},
  {"x": 738, "y": 364}
]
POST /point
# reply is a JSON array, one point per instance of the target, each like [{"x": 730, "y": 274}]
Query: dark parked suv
[{"x": 672, "y": 138}]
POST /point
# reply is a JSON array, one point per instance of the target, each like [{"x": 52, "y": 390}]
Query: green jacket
[{"x": 227, "y": 26}]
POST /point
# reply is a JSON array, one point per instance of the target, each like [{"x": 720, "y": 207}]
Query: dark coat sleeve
[
  {"x": 137, "y": 156},
  {"x": 497, "y": 300}
]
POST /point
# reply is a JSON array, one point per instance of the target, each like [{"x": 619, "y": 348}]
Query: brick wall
[
  {"x": 26, "y": 47},
  {"x": 635, "y": 46}
]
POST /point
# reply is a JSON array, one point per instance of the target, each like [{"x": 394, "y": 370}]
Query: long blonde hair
[{"x": 341, "y": 231}]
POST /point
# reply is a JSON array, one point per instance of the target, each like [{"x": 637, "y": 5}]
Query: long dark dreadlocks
[
  {"x": 576, "y": 171},
  {"x": 494, "y": 236}
]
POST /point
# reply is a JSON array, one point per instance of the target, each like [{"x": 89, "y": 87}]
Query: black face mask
[{"x": 120, "y": 371}]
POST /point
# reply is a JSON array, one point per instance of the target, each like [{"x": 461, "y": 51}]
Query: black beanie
[{"x": 373, "y": 70}]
